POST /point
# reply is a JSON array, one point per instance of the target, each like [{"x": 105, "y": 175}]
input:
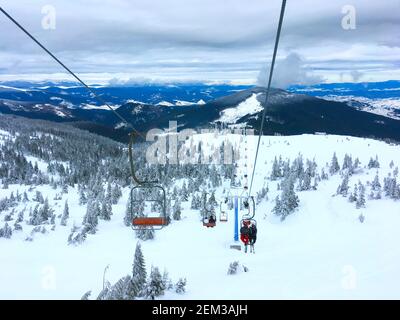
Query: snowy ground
[{"x": 322, "y": 251}]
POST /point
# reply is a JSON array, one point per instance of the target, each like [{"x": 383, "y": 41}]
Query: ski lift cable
[
  {"x": 278, "y": 33},
  {"x": 101, "y": 100}
]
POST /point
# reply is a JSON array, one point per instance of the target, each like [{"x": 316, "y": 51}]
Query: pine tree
[
  {"x": 109, "y": 192},
  {"x": 121, "y": 290},
  {"x": 177, "y": 210},
  {"x": 166, "y": 281},
  {"x": 276, "y": 170},
  {"x": 20, "y": 216},
  {"x": 180, "y": 286},
  {"x": 376, "y": 185},
  {"x": 212, "y": 200},
  {"x": 233, "y": 267},
  {"x": 360, "y": 203},
  {"x": 128, "y": 212},
  {"x": 86, "y": 295},
  {"x": 77, "y": 236},
  {"x": 90, "y": 219},
  {"x": 184, "y": 192},
  {"x": 354, "y": 195},
  {"x": 145, "y": 233},
  {"x": 116, "y": 194},
  {"x": 324, "y": 175},
  {"x": 139, "y": 273},
  {"x": 6, "y": 231},
  {"x": 82, "y": 197},
  {"x": 193, "y": 204},
  {"x": 64, "y": 188},
  {"x": 356, "y": 164},
  {"x": 344, "y": 186},
  {"x": 334, "y": 167},
  {"x": 39, "y": 197},
  {"x": 154, "y": 287},
  {"x": 373, "y": 163},
  {"x": 347, "y": 164},
  {"x": 288, "y": 201},
  {"x": 65, "y": 214},
  {"x": 105, "y": 213}
]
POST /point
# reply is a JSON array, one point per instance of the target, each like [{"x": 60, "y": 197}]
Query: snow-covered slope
[
  {"x": 248, "y": 107},
  {"x": 388, "y": 107},
  {"x": 320, "y": 251}
]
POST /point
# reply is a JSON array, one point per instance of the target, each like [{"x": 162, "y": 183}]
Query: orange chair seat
[{"x": 149, "y": 221}]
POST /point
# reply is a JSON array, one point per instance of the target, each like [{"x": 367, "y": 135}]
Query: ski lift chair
[
  {"x": 209, "y": 224},
  {"x": 158, "y": 196},
  {"x": 251, "y": 206},
  {"x": 159, "y": 220},
  {"x": 223, "y": 215}
]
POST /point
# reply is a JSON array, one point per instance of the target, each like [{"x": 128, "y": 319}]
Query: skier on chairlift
[
  {"x": 211, "y": 219},
  {"x": 252, "y": 236},
  {"x": 244, "y": 234}
]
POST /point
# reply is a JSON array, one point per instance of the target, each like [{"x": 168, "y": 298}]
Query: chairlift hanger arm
[{"x": 131, "y": 162}]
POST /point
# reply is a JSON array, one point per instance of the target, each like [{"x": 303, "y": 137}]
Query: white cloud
[
  {"x": 289, "y": 71},
  {"x": 202, "y": 39}
]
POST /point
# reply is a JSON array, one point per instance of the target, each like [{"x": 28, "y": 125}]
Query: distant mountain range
[
  {"x": 381, "y": 98},
  {"x": 300, "y": 109}
]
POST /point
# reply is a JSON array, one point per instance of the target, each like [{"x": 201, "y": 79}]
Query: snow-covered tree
[
  {"x": 116, "y": 194},
  {"x": 184, "y": 195},
  {"x": 86, "y": 295},
  {"x": 90, "y": 219},
  {"x": 373, "y": 163},
  {"x": 128, "y": 212},
  {"x": 180, "y": 286},
  {"x": 324, "y": 175},
  {"x": 177, "y": 210},
  {"x": 77, "y": 235},
  {"x": 6, "y": 231},
  {"x": 376, "y": 185},
  {"x": 154, "y": 287},
  {"x": 343, "y": 188},
  {"x": 360, "y": 203},
  {"x": 356, "y": 164},
  {"x": 145, "y": 233},
  {"x": 233, "y": 267},
  {"x": 288, "y": 201},
  {"x": 105, "y": 212},
  {"x": 348, "y": 164},
  {"x": 65, "y": 214},
  {"x": 121, "y": 290},
  {"x": 354, "y": 195},
  {"x": 334, "y": 167},
  {"x": 139, "y": 273},
  {"x": 276, "y": 170},
  {"x": 82, "y": 197}
]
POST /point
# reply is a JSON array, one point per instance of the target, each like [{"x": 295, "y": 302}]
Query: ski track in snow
[{"x": 322, "y": 251}]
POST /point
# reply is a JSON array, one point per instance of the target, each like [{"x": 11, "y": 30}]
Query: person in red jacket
[{"x": 244, "y": 235}]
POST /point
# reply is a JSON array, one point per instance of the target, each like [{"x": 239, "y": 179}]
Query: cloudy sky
[{"x": 202, "y": 40}]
